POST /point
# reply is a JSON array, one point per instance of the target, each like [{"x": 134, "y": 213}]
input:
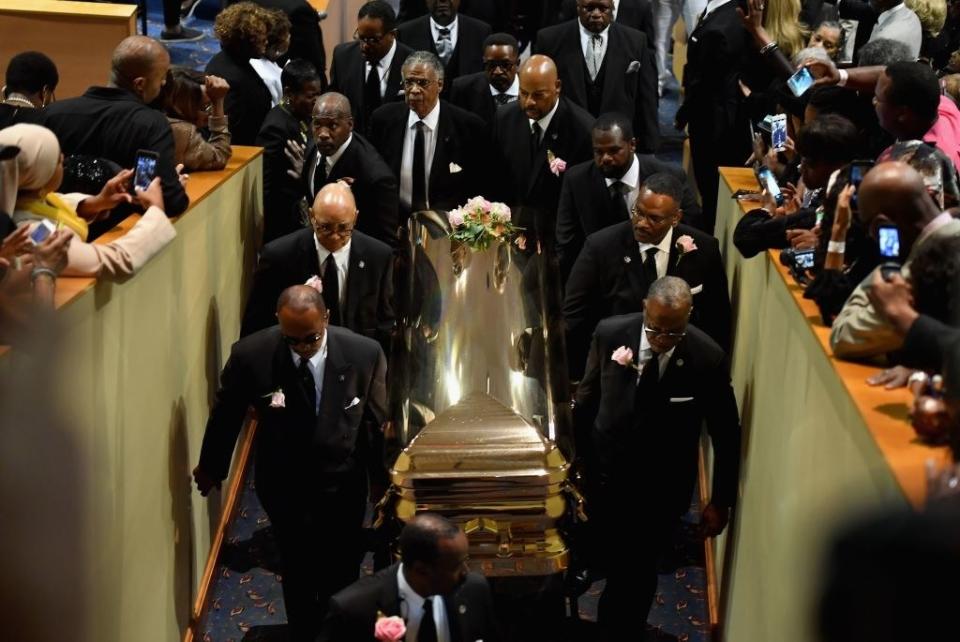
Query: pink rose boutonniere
[
  {"x": 316, "y": 283},
  {"x": 557, "y": 165},
  {"x": 389, "y": 629},
  {"x": 277, "y": 399},
  {"x": 685, "y": 244},
  {"x": 624, "y": 356}
]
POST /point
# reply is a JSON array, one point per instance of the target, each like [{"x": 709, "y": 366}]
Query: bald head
[
  {"x": 300, "y": 299},
  {"x": 334, "y": 214},
  {"x": 140, "y": 65},
  {"x": 332, "y": 104},
  {"x": 894, "y": 192},
  {"x": 539, "y": 86}
]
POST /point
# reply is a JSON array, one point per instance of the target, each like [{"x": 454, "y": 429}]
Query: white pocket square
[
  {"x": 353, "y": 402},
  {"x": 680, "y": 399},
  {"x": 697, "y": 290},
  {"x": 455, "y": 169},
  {"x": 633, "y": 67}
]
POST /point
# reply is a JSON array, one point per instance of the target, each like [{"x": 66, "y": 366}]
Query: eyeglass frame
[
  {"x": 369, "y": 40},
  {"x": 310, "y": 339},
  {"x": 654, "y": 332},
  {"x": 422, "y": 83},
  {"x": 341, "y": 229}
]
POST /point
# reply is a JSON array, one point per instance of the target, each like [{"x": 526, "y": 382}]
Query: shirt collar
[
  {"x": 630, "y": 178},
  {"x": 435, "y": 28},
  {"x": 316, "y": 359},
  {"x": 663, "y": 245},
  {"x": 341, "y": 257},
  {"x": 512, "y": 90},
  {"x": 545, "y": 121},
  {"x": 430, "y": 121},
  {"x": 645, "y": 345},
  {"x": 713, "y": 5},
  {"x": 413, "y": 599},
  {"x": 335, "y": 156},
  {"x": 589, "y": 34},
  {"x": 384, "y": 63}
]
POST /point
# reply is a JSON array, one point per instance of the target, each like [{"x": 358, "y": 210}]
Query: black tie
[
  {"x": 418, "y": 192},
  {"x": 320, "y": 175},
  {"x": 428, "y": 627},
  {"x": 371, "y": 92},
  {"x": 535, "y": 132},
  {"x": 331, "y": 289},
  {"x": 618, "y": 194},
  {"x": 308, "y": 383},
  {"x": 651, "y": 371},
  {"x": 502, "y": 99},
  {"x": 649, "y": 267}
]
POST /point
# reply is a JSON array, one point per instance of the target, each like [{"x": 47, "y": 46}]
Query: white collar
[
  {"x": 316, "y": 359},
  {"x": 335, "y": 156},
  {"x": 384, "y": 63},
  {"x": 663, "y": 245},
  {"x": 663, "y": 357},
  {"x": 341, "y": 257},
  {"x": 407, "y": 594},
  {"x": 512, "y": 90},
  {"x": 430, "y": 120},
  {"x": 616, "y": 7},
  {"x": 435, "y": 28},
  {"x": 630, "y": 178},
  {"x": 545, "y": 121},
  {"x": 589, "y": 34},
  {"x": 713, "y": 5}
]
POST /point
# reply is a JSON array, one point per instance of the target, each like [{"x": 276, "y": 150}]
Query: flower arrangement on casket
[{"x": 478, "y": 223}]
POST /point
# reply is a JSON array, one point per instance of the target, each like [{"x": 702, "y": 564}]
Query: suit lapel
[
  {"x": 334, "y": 383},
  {"x": 286, "y": 379},
  {"x": 441, "y": 149},
  {"x": 614, "y": 64},
  {"x": 399, "y": 136},
  {"x": 388, "y": 602},
  {"x": 672, "y": 263},
  {"x": 633, "y": 262},
  {"x": 393, "y": 77},
  {"x": 355, "y": 276},
  {"x": 675, "y": 368},
  {"x": 308, "y": 258},
  {"x": 550, "y": 139},
  {"x": 630, "y": 376},
  {"x": 601, "y": 200},
  {"x": 456, "y": 610}
]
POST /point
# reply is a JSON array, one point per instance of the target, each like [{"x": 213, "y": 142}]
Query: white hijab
[{"x": 33, "y": 167}]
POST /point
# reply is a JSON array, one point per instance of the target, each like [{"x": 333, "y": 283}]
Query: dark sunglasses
[{"x": 310, "y": 338}]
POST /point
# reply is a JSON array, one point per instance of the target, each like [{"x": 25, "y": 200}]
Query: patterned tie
[
  {"x": 428, "y": 626},
  {"x": 595, "y": 59},
  {"x": 444, "y": 45},
  {"x": 503, "y": 99}
]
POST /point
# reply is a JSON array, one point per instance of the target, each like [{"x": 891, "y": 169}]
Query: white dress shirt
[
  {"x": 429, "y": 147},
  {"x": 269, "y": 73},
  {"x": 899, "y": 23},
  {"x": 616, "y": 6},
  {"x": 513, "y": 90},
  {"x": 329, "y": 162},
  {"x": 342, "y": 258},
  {"x": 545, "y": 121},
  {"x": 712, "y": 6},
  {"x": 317, "y": 364},
  {"x": 632, "y": 180},
  {"x": 411, "y": 608},
  {"x": 383, "y": 68},
  {"x": 587, "y": 36},
  {"x": 663, "y": 253},
  {"x": 453, "y": 27},
  {"x": 663, "y": 359}
]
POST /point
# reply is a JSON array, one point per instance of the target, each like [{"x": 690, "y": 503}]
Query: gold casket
[{"x": 481, "y": 400}]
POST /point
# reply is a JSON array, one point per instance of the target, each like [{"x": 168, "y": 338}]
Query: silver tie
[{"x": 595, "y": 59}]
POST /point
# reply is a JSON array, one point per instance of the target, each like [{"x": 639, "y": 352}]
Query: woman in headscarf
[{"x": 29, "y": 193}]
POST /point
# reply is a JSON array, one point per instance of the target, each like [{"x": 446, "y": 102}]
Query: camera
[{"x": 798, "y": 262}]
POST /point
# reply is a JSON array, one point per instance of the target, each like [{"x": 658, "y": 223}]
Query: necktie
[
  {"x": 595, "y": 59},
  {"x": 308, "y": 383},
  {"x": 320, "y": 174},
  {"x": 371, "y": 90},
  {"x": 535, "y": 132},
  {"x": 651, "y": 368},
  {"x": 428, "y": 627},
  {"x": 444, "y": 45},
  {"x": 649, "y": 266},
  {"x": 418, "y": 191},
  {"x": 618, "y": 194},
  {"x": 331, "y": 289},
  {"x": 503, "y": 99},
  {"x": 702, "y": 17}
]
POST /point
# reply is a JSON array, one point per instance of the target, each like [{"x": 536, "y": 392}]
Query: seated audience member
[
  {"x": 892, "y": 193},
  {"x": 431, "y": 588},
  {"x": 617, "y": 265},
  {"x": 30, "y": 82},
  {"x": 825, "y": 145},
  {"x": 830, "y": 37},
  {"x": 498, "y": 84},
  {"x": 375, "y": 49},
  {"x": 356, "y": 270},
  {"x": 242, "y": 31},
  {"x": 29, "y": 192},
  {"x": 114, "y": 122},
  {"x": 284, "y": 210},
  {"x": 601, "y": 192},
  {"x": 883, "y": 52},
  {"x": 193, "y": 102},
  {"x": 338, "y": 153},
  {"x": 278, "y": 42},
  {"x": 30, "y": 289}
]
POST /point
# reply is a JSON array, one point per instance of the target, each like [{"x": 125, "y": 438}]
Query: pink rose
[
  {"x": 622, "y": 355},
  {"x": 315, "y": 282},
  {"x": 686, "y": 244},
  {"x": 390, "y": 629},
  {"x": 558, "y": 166},
  {"x": 500, "y": 211},
  {"x": 277, "y": 400},
  {"x": 455, "y": 217}
]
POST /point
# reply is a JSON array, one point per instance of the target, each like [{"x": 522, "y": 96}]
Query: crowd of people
[{"x": 555, "y": 113}]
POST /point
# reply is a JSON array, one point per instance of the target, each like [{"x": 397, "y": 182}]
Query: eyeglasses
[
  {"x": 499, "y": 64},
  {"x": 656, "y": 332},
  {"x": 368, "y": 40},
  {"x": 307, "y": 340},
  {"x": 422, "y": 83},
  {"x": 653, "y": 220},
  {"x": 343, "y": 229}
]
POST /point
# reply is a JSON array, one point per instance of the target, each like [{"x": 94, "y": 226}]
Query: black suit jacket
[
  {"x": 248, "y": 100},
  {"x": 292, "y": 259},
  {"x": 496, "y": 13},
  {"x": 644, "y": 442},
  {"x": 586, "y": 206},
  {"x": 348, "y": 73},
  {"x": 631, "y": 93},
  {"x": 467, "y": 56},
  {"x": 462, "y": 140},
  {"x": 295, "y": 448},
  {"x": 353, "y": 611},
  {"x": 374, "y": 187},
  {"x": 607, "y": 279},
  {"x": 112, "y": 123},
  {"x": 306, "y": 37},
  {"x": 472, "y": 93},
  {"x": 281, "y": 192},
  {"x": 631, "y": 13},
  {"x": 530, "y": 185}
]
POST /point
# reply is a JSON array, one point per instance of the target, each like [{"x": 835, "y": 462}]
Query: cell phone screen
[
  {"x": 146, "y": 169},
  {"x": 40, "y": 232},
  {"x": 889, "y": 238},
  {"x": 805, "y": 259},
  {"x": 800, "y": 82},
  {"x": 778, "y": 132},
  {"x": 857, "y": 171},
  {"x": 770, "y": 184}
]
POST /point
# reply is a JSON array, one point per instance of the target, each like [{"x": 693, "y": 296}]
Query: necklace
[{"x": 18, "y": 100}]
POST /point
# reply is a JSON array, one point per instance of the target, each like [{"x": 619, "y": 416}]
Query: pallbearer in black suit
[
  {"x": 339, "y": 153},
  {"x": 456, "y": 39},
  {"x": 431, "y": 590},
  {"x": 483, "y": 92},
  {"x": 367, "y": 70},
  {"x": 630, "y": 13},
  {"x": 439, "y": 153},
  {"x": 640, "y": 418},
  {"x": 617, "y": 265},
  {"x": 283, "y": 205},
  {"x": 601, "y": 192},
  {"x": 606, "y": 67},
  {"x": 356, "y": 270},
  {"x": 319, "y": 393},
  {"x": 535, "y": 136}
]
